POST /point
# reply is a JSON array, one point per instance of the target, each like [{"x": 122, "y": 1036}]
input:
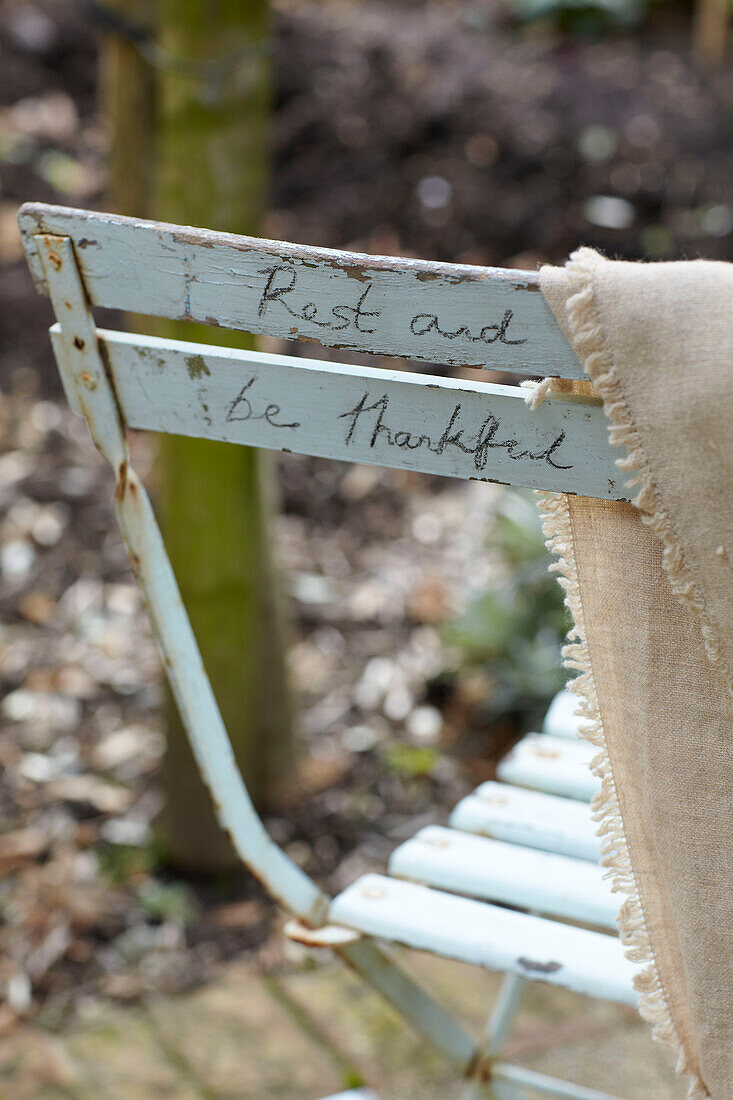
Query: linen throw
[{"x": 649, "y": 587}]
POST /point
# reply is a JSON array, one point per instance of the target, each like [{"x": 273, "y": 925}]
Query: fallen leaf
[
  {"x": 102, "y": 796},
  {"x": 239, "y": 914},
  {"x": 37, "y": 607},
  {"x": 20, "y": 847},
  {"x": 429, "y": 601}
]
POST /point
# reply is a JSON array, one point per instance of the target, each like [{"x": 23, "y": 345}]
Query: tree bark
[
  {"x": 710, "y": 31},
  {"x": 127, "y": 89},
  {"x": 212, "y": 101}
]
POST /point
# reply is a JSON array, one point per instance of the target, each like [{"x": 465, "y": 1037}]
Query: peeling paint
[
  {"x": 196, "y": 367},
  {"x": 539, "y": 967}
]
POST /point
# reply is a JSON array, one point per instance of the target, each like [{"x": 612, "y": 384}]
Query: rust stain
[
  {"x": 546, "y": 754},
  {"x": 121, "y": 483},
  {"x": 539, "y": 967},
  {"x": 78, "y": 343},
  {"x": 88, "y": 380},
  {"x": 55, "y": 261}
]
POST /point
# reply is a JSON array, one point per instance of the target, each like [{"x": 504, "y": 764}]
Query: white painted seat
[
  {"x": 354, "y": 1094},
  {"x": 561, "y": 719},
  {"x": 487, "y": 935},
  {"x": 552, "y": 764},
  {"x": 455, "y": 891},
  {"x": 495, "y": 871},
  {"x": 530, "y": 818}
]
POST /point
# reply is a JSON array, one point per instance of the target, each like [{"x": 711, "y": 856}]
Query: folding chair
[{"x": 519, "y": 859}]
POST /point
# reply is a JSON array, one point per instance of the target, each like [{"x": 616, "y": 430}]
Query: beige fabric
[{"x": 651, "y": 593}]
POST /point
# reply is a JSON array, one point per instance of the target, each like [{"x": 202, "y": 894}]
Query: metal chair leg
[{"x": 494, "y": 1038}]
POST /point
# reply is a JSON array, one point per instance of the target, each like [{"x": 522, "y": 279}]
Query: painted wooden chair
[{"x": 512, "y": 883}]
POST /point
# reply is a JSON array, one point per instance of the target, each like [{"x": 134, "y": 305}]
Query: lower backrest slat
[{"x": 452, "y": 427}]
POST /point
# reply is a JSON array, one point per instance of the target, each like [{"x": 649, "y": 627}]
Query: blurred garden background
[{"x": 423, "y": 631}]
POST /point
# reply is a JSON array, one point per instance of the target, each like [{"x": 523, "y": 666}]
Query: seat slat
[
  {"x": 531, "y": 818},
  {"x": 486, "y": 935},
  {"x": 354, "y": 1094},
  {"x": 414, "y": 309},
  {"x": 495, "y": 871},
  {"x": 551, "y": 764},
  {"x": 561, "y": 720},
  {"x": 454, "y": 427}
]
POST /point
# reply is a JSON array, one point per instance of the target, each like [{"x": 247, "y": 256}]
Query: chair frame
[{"x": 89, "y": 362}]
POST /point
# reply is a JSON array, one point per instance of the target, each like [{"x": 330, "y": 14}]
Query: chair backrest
[
  {"x": 475, "y": 317},
  {"x": 472, "y": 317}
]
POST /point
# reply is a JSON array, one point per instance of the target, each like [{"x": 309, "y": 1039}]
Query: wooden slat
[
  {"x": 561, "y": 720},
  {"x": 530, "y": 818},
  {"x": 414, "y": 309},
  {"x": 453, "y": 427},
  {"x": 487, "y": 935},
  {"x": 551, "y": 764},
  {"x": 495, "y": 871},
  {"x": 354, "y": 1094}
]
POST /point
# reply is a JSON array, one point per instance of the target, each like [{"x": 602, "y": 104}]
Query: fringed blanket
[{"x": 650, "y": 590}]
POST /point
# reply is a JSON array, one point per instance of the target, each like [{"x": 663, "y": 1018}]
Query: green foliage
[
  {"x": 408, "y": 761},
  {"x": 590, "y": 18},
  {"x": 121, "y": 864},
  {"x": 514, "y": 632},
  {"x": 168, "y": 901}
]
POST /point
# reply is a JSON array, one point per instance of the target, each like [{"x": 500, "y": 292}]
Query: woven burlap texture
[{"x": 649, "y": 587}]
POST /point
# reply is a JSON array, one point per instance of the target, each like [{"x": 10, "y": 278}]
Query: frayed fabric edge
[
  {"x": 590, "y": 346},
  {"x": 653, "y": 1004}
]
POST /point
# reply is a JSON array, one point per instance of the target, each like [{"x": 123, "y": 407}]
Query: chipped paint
[
  {"x": 533, "y": 967},
  {"x": 196, "y": 367},
  {"x": 163, "y": 263}
]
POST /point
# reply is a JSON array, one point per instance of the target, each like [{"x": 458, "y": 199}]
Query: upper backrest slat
[{"x": 414, "y": 309}]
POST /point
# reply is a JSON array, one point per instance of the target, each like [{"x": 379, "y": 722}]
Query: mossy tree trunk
[
  {"x": 212, "y": 102},
  {"x": 710, "y": 31},
  {"x": 128, "y": 94}
]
